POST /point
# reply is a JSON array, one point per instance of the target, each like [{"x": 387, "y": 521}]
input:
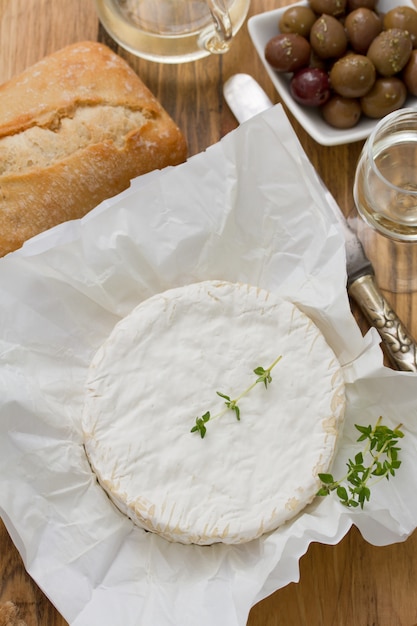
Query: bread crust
[{"x": 34, "y": 198}]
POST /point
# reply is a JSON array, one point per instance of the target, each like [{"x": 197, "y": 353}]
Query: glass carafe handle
[{"x": 220, "y": 41}]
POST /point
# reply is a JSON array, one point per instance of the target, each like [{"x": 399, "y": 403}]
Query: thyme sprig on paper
[
  {"x": 263, "y": 376},
  {"x": 378, "y": 460}
]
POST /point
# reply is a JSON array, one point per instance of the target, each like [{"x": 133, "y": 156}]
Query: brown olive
[
  {"x": 328, "y": 38},
  {"x": 390, "y": 51},
  {"x": 409, "y": 74},
  {"x": 341, "y": 112},
  {"x": 402, "y": 17},
  {"x": 357, "y": 4},
  {"x": 352, "y": 76},
  {"x": 287, "y": 52},
  {"x": 387, "y": 95},
  {"x": 329, "y": 7},
  {"x": 297, "y": 19},
  {"x": 362, "y": 26},
  {"x": 316, "y": 61}
]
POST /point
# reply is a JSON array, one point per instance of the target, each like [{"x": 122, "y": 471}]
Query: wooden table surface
[{"x": 353, "y": 583}]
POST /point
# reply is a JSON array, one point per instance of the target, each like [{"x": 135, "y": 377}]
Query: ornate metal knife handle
[{"x": 400, "y": 347}]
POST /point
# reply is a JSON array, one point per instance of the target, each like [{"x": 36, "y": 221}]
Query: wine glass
[{"x": 385, "y": 195}]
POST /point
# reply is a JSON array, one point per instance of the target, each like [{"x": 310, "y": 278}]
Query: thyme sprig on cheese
[
  {"x": 263, "y": 376},
  {"x": 378, "y": 460}
]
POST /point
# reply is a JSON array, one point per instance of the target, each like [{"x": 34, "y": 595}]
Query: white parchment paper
[{"x": 248, "y": 209}]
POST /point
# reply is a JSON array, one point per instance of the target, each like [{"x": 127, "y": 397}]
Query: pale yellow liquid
[
  {"x": 388, "y": 231},
  {"x": 168, "y": 31},
  {"x": 388, "y": 201}
]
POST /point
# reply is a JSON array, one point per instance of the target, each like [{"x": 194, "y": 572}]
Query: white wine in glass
[{"x": 385, "y": 194}]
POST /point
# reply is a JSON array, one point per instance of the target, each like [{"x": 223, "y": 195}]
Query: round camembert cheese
[{"x": 161, "y": 368}]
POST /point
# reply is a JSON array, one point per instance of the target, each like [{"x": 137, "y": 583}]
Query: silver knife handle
[{"x": 399, "y": 346}]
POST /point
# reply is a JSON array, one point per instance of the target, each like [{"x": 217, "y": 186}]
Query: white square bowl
[{"x": 262, "y": 28}]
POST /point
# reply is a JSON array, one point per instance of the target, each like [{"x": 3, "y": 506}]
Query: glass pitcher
[{"x": 173, "y": 31}]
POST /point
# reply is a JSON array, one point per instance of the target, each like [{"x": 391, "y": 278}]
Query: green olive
[
  {"x": 390, "y": 51},
  {"x": 356, "y": 4},
  {"x": 352, "y": 76},
  {"x": 342, "y": 112},
  {"x": 328, "y": 37},
  {"x": 329, "y": 7},
  {"x": 362, "y": 26},
  {"x": 297, "y": 19},
  {"x": 409, "y": 74},
  {"x": 387, "y": 95},
  {"x": 402, "y": 17}
]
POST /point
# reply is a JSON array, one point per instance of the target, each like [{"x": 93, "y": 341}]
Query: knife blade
[{"x": 246, "y": 98}]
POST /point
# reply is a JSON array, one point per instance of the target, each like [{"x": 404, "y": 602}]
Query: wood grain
[
  {"x": 352, "y": 583},
  {"x": 18, "y": 587}
]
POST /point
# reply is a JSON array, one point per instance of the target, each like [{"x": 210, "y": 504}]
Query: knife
[{"x": 246, "y": 98}]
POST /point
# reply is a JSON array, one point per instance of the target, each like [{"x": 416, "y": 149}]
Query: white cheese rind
[{"x": 160, "y": 369}]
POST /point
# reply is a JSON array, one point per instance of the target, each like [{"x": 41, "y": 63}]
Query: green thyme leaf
[
  {"x": 379, "y": 459},
  {"x": 223, "y": 395},
  {"x": 327, "y": 479},
  {"x": 200, "y": 423},
  {"x": 264, "y": 376}
]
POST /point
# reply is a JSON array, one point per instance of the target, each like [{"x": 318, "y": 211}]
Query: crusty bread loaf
[{"x": 75, "y": 128}]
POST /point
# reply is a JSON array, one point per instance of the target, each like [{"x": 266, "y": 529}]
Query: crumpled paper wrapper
[{"x": 249, "y": 209}]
